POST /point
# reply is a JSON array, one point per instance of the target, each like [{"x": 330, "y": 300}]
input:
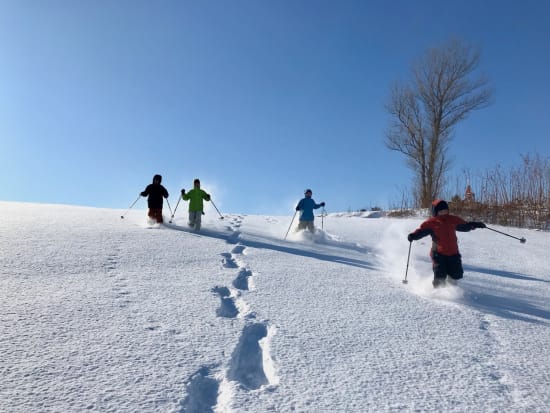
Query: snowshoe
[
  {"x": 438, "y": 282},
  {"x": 452, "y": 281}
]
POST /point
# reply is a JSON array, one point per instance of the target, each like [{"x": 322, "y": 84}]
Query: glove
[
  {"x": 142, "y": 193},
  {"x": 478, "y": 225},
  {"x": 297, "y": 208},
  {"x": 322, "y": 204},
  {"x": 207, "y": 197},
  {"x": 183, "y": 191},
  {"x": 411, "y": 237}
]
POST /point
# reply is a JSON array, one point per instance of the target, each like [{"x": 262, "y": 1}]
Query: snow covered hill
[{"x": 105, "y": 314}]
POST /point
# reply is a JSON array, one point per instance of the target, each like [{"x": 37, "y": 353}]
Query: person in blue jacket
[{"x": 306, "y": 207}]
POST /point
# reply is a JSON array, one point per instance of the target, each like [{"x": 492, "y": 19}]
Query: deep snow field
[{"x": 104, "y": 314}]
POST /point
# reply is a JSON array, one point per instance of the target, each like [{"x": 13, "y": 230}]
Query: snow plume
[
  {"x": 394, "y": 250},
  {"x": 306, "y": 236},
  {"x": 321, "y": 237}
]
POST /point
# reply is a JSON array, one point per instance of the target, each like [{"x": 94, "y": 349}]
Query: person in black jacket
[{"x": 155, "y": 192}]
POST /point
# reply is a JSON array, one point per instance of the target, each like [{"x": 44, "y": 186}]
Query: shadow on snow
[
  {"x": 234, "y": 237},
  {"x": 504, "y": 274},
  {"x": 505, "y": 306}
]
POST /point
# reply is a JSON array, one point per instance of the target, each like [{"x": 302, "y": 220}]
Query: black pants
[{"x": 444, "y": 265}]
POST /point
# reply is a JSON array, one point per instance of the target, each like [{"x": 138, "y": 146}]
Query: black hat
[
  {"x": 157, "y": 178},
  {"x": 438, "y": 205}
]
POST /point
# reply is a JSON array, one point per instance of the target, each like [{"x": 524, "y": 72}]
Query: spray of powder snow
[
  {"x": 322, "y": 237},
  {"x": 319, "y": 236},
  {"x": 393, "y": 249}
]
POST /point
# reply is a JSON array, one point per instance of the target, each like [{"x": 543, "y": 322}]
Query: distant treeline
[{"x": 519, "y": 197}]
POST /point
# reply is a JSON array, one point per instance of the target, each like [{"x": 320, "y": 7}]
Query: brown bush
[{"x": 519, "y": 197}]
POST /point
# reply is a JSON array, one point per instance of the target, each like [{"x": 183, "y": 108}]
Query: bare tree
[{"x": 442, "y": 92}]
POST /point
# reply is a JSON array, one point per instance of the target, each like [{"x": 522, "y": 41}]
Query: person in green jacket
[{"x": 195, "y": 197}]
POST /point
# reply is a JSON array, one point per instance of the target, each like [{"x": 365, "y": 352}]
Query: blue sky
[{"x": 259, "y": 99}]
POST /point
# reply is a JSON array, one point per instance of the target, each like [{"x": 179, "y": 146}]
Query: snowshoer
[
  {"x": 306, "y": 206},
  {"x": 442, "y": 227},
  {"x": 155, "y": 192},
  {"x": 195, "y": 197}
]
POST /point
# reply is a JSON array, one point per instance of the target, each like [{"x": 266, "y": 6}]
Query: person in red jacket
[{"x": 442, "y": 227}]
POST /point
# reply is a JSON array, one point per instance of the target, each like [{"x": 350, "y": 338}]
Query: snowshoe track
[{"x": 246, "y": 368}]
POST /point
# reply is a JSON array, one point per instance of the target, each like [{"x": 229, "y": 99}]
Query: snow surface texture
[{"x": 105, "y": 314}]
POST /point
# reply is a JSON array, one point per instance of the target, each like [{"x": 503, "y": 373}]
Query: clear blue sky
[{"x": 259, "y": 99}]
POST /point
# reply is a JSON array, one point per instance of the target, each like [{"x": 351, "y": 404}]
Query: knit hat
[{"x": 438, "y": 205}]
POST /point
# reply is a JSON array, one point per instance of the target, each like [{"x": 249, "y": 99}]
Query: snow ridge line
[{"x": 250, "y": 367}]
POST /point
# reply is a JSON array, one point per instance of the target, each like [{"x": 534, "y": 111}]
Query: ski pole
[
  {"x": 290, "y": 224},
  {"x": 522, "y": 240},
  {"x": 175, "y": 209},
  {"x": 170, "y": 209},
  {"x": 221, "y": 216},
  {"x": 323, "y": 213},
  {"x": 408, "y": 257},
  {"x": 122, "y": 216}
]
